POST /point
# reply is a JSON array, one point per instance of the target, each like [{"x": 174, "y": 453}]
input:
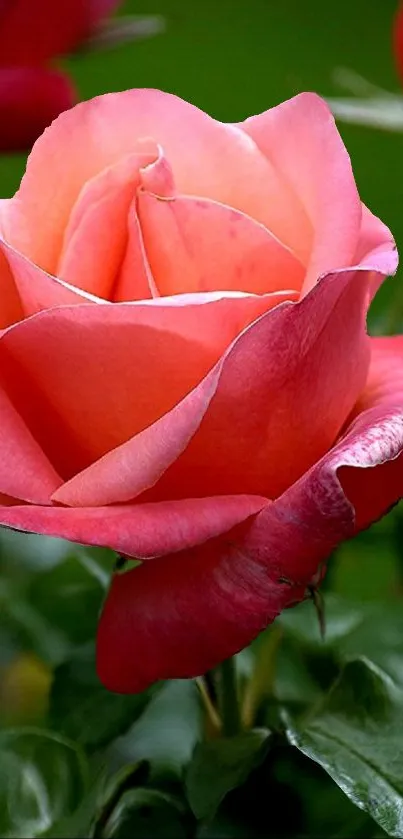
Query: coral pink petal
[
  {"x": 137, "y": 284},
  {"x": 300, "y": 139},
  {"x": 96, "y": 237},
  {"x": 88, "y": 378},
  {"x": 30, "y": 98},
  {"x": 10, "y": 305},
  {"x": 37, "y": 290},
  {"x": 240, "y": 582},
  {"x": 378, "y": 422},
  {"x": 136, "y": 465},
  {"x": 138, "y": 530},
  {"x": 376, "y": 248},
  {"x": 25, "y": 472},
  {"x": 33, "y": 36},
  {"x": 285, "y": 390},
  {"x": 208, "y": 159},
  {"x": 194, "y": 244}
]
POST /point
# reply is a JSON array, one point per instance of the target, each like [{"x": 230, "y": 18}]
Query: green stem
[{"x": 227, "y": 695}]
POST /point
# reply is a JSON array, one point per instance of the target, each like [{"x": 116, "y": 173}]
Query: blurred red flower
[
  {"x": 398, "y": 40},
  {"x": 32, "y": 33}
]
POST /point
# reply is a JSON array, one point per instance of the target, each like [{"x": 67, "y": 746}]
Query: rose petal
[
  {"x": 220, "y": 595},
  {"x": 36, "y": 290},
  {"x": 376, "y": 247},
  {"x": 96, "y": 237},
  {"x": 10, "y": 306},
  {"x": 138, "y": 530},
  {"x": 194, "y": 244},
  {"x": 25, "y": 472},
  {"x": 300, "y": 139},
  {"x": 135, "y": 466},
  {"x": 96, "y": 134},
  {"x": 378, "y": 422},
  {"x": 130, "y": 284},
  {"x": 286, "y": 388},
  {"x": 82, "y": 396}
]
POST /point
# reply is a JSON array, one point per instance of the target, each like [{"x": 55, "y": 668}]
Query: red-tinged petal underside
[
  {"x": 141, "y": 530},
  {"x": 285, "y": 390},
  {"x": 30, "y": 98},
  {"x": 86, "y": 379},
  {"x": 300, "y": 139},
  {"x": 378, "y": 420},
  {"x": 239, "y": 429},
  {"x": 34, "y": 35},
  {"x": 208, "y": 158},
  {"x": 191, "y": 610}
]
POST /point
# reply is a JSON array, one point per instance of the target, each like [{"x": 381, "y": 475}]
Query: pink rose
[{"x": 186, "y": 372}]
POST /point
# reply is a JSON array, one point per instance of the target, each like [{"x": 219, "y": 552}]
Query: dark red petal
[
  {"x": 30, "y": 98},
  {"x": 180, "y": 615},
  {"x": 33, "y": 31},
  {"x": 398, "y": 40}
]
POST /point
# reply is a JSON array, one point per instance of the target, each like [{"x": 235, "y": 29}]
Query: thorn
[{"x": 319, "y": 605}]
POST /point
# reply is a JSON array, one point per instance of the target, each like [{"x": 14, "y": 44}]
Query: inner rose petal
[{"x": 98, "y": 232}]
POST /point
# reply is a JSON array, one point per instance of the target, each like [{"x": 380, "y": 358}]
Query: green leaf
[
  {"x": 166, "y": 733},
  {"x": 43, "y": 778},
  {"x": 81, "y": 708},
  {"x": 221, "y": 765},
  {"x": 69, "y": 596},
  {"x": 356, "y": 735},
  {"x": 142, "y": 813},
  {"x": 374, "y": 630}
]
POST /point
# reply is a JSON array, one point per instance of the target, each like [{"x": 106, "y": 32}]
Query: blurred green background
[{"x": 232, "y": 58}]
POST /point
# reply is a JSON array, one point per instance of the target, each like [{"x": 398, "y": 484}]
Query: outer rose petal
[
  {"x": 96, "y": 134},
  {"x": 286, "y": 388},
  {"x": 30, "y": 98},
  {"x": 143, "y": 360},
  {"x": 136, "y": 465},
  {"x": 376, "y": 247},
  {"x": 33, "y": 36},
  {"x": 300, "y": 138},
  {"x": 141, "y": 530},
  {"x": 220, "y": 595},
  {"x": 378, "y": 418}
]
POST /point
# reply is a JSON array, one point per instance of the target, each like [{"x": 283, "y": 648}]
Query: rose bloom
[{"x": 186, "y": 375}]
